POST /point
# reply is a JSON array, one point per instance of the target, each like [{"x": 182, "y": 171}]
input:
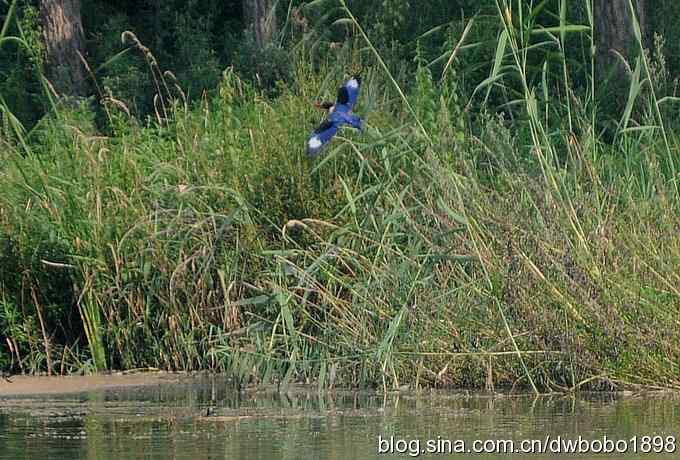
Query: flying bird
[{"x": 339, "y": 114}]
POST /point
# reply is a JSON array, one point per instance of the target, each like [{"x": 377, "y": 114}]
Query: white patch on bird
[
  {"x": 314, "y": 143},
  {"x": 353, "y": 83}
]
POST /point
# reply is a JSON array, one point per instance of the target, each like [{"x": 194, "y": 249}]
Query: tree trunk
[
  {"x": 615, "y": 32},
  {"x": 260, "y": 16},
  {"x": 64, "y": 41}
]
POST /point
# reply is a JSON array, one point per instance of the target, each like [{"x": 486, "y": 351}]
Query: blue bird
[{"x": 339, "y": 114}]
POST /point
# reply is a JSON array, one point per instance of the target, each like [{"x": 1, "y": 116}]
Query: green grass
[{"x": 435, "y": 250}]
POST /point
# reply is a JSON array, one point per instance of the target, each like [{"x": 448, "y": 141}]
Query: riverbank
[
  {"x": 436, "y": 249},
  {"x": 23, "y": 385}
]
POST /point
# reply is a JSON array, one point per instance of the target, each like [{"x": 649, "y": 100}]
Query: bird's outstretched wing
[
  {"x": 349, "y": 92},
  {"x": 320, "y": 137}
]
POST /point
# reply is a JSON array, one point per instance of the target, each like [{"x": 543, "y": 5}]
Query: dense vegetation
[{"x": 498, "y": 223}]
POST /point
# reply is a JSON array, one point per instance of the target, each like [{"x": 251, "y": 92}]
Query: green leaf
[
  {"x": 451, "y": 213},
  {"x": 497, "y": 63},
  {"x": 573, "y": 28},
  {"x": 633, "y": 93}
]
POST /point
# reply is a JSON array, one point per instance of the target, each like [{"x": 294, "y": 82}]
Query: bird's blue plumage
[
  {"x": 352, "y": 87},
  {"x": 320, "y": 137},
  {"x": 339, "y": 114}
]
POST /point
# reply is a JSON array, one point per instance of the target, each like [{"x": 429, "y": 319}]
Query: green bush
[{"x": 265, "y": 67}]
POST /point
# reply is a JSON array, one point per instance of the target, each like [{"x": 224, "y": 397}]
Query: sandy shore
[{"x": 22, "y": 385}]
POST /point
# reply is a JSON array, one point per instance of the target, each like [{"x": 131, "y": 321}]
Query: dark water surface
[{"x": 207, "y": 418}]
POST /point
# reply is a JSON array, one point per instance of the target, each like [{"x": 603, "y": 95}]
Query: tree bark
[
  {"x": 259, "y": 15},
  {"x": 615, "y": 32},
  {"x": 64, "y": 41}
]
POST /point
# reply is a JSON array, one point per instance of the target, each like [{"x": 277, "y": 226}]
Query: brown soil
[{"x": 22, "y": 385}]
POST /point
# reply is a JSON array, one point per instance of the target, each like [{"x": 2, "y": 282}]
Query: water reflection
[{"x": 208, "y": 418}]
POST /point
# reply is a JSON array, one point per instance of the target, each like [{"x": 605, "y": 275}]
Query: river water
[{"x": 208, "y": 418}]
